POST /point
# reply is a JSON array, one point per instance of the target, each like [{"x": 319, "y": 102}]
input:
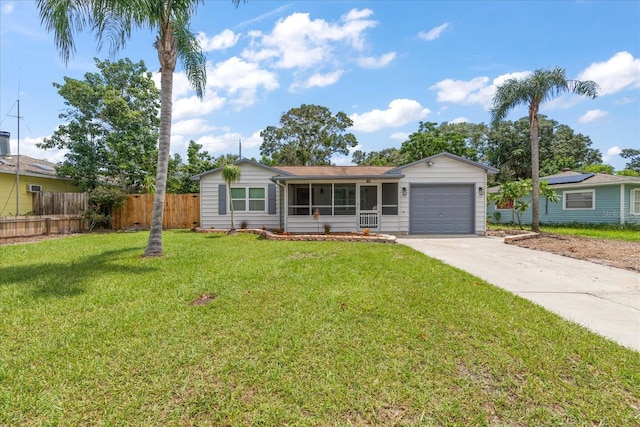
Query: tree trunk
[
  {"x": 232, "y": 230},
  {"x": 535, "y": 173},
  {"x": 167, "y": 55}
]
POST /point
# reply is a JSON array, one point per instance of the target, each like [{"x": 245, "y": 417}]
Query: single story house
[
  {"x": 34, "y": 175},
  {"x": 441, "y": 194},
  {"x": 589, "y": 198}
]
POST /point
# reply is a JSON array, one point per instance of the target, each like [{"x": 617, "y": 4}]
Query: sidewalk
[{"x": 604, "y": 299}]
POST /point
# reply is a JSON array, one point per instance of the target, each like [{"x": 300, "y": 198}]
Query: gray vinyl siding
[
  {"x": 250, "y": 176},
  {"x": 607, "y": 208},
  {"x": 444, "y": 171}
]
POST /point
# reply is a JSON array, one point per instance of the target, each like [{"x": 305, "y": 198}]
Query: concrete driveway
[{"x": 604, "y": 299}]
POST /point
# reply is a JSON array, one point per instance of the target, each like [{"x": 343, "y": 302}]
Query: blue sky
[{"x": 386, "y": 64}]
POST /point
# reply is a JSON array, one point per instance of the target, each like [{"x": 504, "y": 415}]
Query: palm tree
[
  {"x": 114, "y": 20},
  {"x": 231, "y": 174},
  {"x": 542, "y": 85}
]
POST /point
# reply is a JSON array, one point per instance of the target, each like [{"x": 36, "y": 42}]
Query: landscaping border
[{"x": 333, "y": 237}]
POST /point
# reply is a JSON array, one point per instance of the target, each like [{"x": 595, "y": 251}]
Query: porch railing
[{"x": 368, "y": 220}]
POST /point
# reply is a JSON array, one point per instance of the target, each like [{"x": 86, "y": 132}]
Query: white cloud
[
  {"x": 624, "y": 101},
  {"x": 226, "y": 143},
  {"x": 318, "y": 80},
  {"x": 194, "y": 107},
  {"x": 475, "y": 91},
  {"x": 191, "y": 127},
  {"x": 611, "y": 153},
  {"x": 460, "y": 120},
  {"x": 223, "y": 40},
  {"x": 299, "y": 42},
  {"x": 7, "y": 8},
  {"x": 399, "y": 136},
  {"x": 434, "y": 33},
  {"x": 28, "y": 148},
  {"x": 373, "y": 62},
  {"x": 617, "y": 73},
  {"x": 241, "y": 80},
  {"x": 399, "y": 113},
  {"x": 592, "y": 116}
]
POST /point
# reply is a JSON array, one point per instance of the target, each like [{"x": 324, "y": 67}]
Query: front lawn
[{"x": 297, "y": 333}]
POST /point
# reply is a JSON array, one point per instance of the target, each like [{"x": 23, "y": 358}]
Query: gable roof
[
  {"x": 239, "y": 163},
  {"x": 487, "y": 168},
  {"x": 285, "y": 173},
  {"x": 29, "y": 166}
]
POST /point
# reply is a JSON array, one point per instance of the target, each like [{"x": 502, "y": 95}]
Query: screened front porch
[{"x": 347, "y": 206}]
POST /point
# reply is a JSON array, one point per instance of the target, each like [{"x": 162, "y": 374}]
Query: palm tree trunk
[
  {"x": 167, "y": 56},
  {"x": 535, "y": 174}
]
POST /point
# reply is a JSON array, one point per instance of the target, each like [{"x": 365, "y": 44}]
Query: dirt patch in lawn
[{"x": 614, "y": 253}]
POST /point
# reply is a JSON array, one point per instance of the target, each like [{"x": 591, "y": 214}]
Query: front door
[{"x": 368, "y": 207}]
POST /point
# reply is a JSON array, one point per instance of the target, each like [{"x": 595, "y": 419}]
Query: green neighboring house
[
  {"x": 585, "y": 198},
  {"x": 34, "y": 176}
]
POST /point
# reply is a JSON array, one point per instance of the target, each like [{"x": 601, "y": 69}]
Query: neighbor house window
[
  {"x": 579, "y": 199},
  {"x": 248, "y": 199},
  {"x": 635, "y": 201},
  {"x": 390, "y": 199},
  {"x": 328, "y": 199}
]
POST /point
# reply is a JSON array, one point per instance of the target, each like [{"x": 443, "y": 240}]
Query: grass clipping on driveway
[{"x": 295, "y": 333}]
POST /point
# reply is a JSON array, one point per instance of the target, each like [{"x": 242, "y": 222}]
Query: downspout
[
  {"x": 622, "y": 204},
  {"x": 283, "y": 200}
]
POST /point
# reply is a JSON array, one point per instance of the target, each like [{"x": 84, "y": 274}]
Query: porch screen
[
  {"x": 344, "y": 200},
  {"x": 390, "y": 199},
  {"x": 329, "y": 199}
]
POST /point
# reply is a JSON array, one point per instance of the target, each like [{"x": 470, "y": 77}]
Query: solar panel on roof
[
  {"x": 44, "y": 167},
  {"x": 571, "y": 179}
]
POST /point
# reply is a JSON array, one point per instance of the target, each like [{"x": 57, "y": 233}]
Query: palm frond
[{"x": 192, "y": 57}]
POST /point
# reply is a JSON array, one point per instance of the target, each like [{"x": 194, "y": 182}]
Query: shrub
[
  {"x": 327, "y": 227},
  {"x": 244, "y": 224},
  {"x": 103, "y": 202}
]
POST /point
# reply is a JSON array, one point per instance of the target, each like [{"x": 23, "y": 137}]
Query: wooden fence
[
  {"x": 180, "y": 211},
  {"x": 52, "y": 203},
  {"x": 29, "y": 226}
]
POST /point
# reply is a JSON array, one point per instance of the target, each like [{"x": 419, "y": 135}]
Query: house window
[
  {"x": 390, "y": 199},
  {"x": 329, "y": 199},
  {"x": 585, "y": 199},
  {"x": 635, "y": 201},
  {"x": 508, "y": 204},
  {"x": 248, "y": 199}
]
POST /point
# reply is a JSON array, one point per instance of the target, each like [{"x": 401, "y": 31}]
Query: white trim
[
  {"x": 634, "y": 197},
  {"x": 593, "y": 200},
  {"x": 622, "y": 204}
]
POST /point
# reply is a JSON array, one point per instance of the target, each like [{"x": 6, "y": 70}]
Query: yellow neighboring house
[{"x": 35, "y": 175}]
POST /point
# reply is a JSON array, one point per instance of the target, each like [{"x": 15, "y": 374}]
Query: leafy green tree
[
  {"x": 110, "y": 126},
  {"x": 307, "y": 135},
  {"x": 542, "y": 85},
  {"x": 599, "y": 168},
  {"x": 115, "y": 20},
  {"x": 231, "y": 174},
  {"x": 518, "y": 195},
  {"x": 431, "y": 139},
  {"x": 197, "y": 162},
  {"x": 385, "y": 157},
  {"x": 633, "y": 156}
]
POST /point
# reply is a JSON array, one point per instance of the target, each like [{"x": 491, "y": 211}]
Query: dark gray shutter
[
  {"x": 272, "y": 199},
  {"x": 222, "y": 199}
]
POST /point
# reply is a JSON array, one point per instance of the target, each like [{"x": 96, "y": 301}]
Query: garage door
[{"x": 442, "y": 209}]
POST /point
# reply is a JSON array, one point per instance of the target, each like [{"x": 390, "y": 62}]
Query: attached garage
[{"x": 442, "y": 209}]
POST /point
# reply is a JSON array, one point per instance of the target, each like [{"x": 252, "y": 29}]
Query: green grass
[
  {"x": 628, "y": 232},
  {"x": 300, "y": 333},
  {"x": 614, "y": 232}
]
